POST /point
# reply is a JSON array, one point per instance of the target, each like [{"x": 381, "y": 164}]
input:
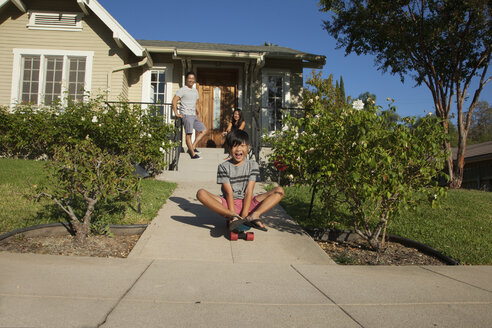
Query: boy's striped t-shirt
[{"x": 238, "y": 176}]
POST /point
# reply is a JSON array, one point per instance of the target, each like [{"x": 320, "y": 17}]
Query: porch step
[{"x": 189, "y": 170}]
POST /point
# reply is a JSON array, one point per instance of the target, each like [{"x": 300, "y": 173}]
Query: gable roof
[
  {"x": 201, "y": 48},
  {"x": 120, "y": 35}
]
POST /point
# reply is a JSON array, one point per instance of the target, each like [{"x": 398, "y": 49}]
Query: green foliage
[
  {"x": 30, "y": 132},
  {"x": 459, "y": 227},
  {"x": 359, "y": 161},
  {"x": 481, "y": 124},
  {"x": 18, "y": 177},
  {"x": 82, "y": 175},
  {"x": 445, "y": 45}
]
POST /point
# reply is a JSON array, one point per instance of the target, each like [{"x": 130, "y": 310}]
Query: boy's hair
[
  {"x": 236, "y": 137},
  {"x": 190, "y": 73}
]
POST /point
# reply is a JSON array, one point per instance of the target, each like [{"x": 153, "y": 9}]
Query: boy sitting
[{"x": 238, "y": 177}]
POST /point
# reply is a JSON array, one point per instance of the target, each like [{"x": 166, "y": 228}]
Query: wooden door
[{"x": 218, "y": 96}]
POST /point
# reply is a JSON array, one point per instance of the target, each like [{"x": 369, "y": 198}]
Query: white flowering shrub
[
  {"x": 30, "y": 132},
  {"x": 365, "y": 167}
]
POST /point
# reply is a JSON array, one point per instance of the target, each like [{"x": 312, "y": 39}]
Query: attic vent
[{"x": 55, "y": 21}]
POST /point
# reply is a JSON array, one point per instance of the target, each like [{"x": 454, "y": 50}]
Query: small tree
[
  {"x": 361, "y": 162},
  {"x": 83, "y": 174}
]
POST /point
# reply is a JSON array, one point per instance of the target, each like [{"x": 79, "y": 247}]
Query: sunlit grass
[
  {"x": 460, "y": 227},
  {"x": 18, "y": 210}
]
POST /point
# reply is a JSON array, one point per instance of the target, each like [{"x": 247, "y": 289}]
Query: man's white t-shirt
[{"x": 188, "y": 97}]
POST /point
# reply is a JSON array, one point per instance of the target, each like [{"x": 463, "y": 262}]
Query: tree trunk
[
  {"x": 82, "y": 230},
  {"x": 458, "y": 169}
]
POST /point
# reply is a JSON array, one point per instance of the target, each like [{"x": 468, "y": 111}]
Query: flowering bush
[
  {"x": 31, "y": 132},
  {"x": 360, "y": 162}
]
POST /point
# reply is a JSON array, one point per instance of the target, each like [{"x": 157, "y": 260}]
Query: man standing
[{"x": 189, "y": 112}]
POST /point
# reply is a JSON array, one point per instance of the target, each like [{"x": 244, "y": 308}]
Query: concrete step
[{"x": 189, "y": 170}]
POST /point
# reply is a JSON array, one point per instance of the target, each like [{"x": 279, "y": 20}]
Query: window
[
  {"x": 55, "y": 21},
  {"x": 276, "y": 96},
  {"x": 157, "y": 89},
  {"x": 44, "y": 76}
]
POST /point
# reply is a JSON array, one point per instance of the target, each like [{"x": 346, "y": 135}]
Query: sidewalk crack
[
  {"x": 325, "y": 295},
  {"x": 463, "y": 282},
  {"x": 124, "y": 295}
]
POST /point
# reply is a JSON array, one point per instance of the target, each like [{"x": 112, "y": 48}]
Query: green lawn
[
  {"x": 461, "y": 227},
  {"x": 19, "y": 211}
]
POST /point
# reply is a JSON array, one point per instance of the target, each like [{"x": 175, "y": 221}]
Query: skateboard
[{"x": 241, "y": 232}]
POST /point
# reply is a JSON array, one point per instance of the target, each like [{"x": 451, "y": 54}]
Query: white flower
[
  {"x": 290, "y": 177},
  {"x": 285, "y": 128},
  {"x": 358, "y": 104},
  {"x": 435, "y": 196},
  {"x": 94, "y": 119},
  {"x": 149, "y": 135},
  {"x": 293, "y": 143},
  {"x": 100, "y": 124},
  {"x": 317, "y": 97},
  {"x": 82, "y": 119},
  {"x": 311, "y": 101},
  {"x": 163, "y": 143},
  {"x": 162, "y": 150}
]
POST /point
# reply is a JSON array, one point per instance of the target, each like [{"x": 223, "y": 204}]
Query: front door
[{"x": 218, "y": 97}]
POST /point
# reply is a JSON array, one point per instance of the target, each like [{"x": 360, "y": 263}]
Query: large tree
[{"x": 444, "y": 44}]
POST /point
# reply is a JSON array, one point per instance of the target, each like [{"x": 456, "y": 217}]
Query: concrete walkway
[{"x": 184, "y": 272}]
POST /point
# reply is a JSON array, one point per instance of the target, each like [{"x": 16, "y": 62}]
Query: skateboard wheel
[
  {"x": 250, "y": 236},
  {"x": 234, "y": 236}
]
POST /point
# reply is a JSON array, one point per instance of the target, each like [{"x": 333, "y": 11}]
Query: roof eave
[{"x": 120, "y": 35}]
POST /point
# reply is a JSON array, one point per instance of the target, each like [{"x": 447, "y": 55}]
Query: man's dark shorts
[{"x": 191, "y": 122}]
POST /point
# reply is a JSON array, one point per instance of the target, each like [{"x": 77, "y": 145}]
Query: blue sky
[{"x": 295, "y": 24}]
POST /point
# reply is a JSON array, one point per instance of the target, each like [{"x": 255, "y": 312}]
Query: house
[
  {"x": 50, "y": 49},
  {"x": 477, "y": 173}
]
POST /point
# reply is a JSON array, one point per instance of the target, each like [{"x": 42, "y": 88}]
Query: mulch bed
[
  {"x": 352, "y": 252},
  {"x": 357, "y": 252},
  {"x": 97, "y": 246}
]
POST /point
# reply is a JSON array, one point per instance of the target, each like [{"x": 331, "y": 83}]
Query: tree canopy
[{"x": 444, "y": 44}]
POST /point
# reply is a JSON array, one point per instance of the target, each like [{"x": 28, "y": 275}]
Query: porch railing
[{"x": 163, "y": 110}]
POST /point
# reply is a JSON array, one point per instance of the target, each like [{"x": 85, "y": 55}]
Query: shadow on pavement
[{"x": 203, "y": 217}]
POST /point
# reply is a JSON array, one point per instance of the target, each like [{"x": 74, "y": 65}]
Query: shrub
[
  {"x": 361, "y": 162},
  {"x": 82, "y": 175},
  {"x": 29, "y": 132}
]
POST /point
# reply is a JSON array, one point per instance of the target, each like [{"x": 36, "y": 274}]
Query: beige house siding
[
  {"x": 95, "y": 36},
  {"x": 135, "y": 83}
]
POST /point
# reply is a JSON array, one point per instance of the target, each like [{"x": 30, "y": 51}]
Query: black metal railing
[{"x": 165, "y": 111}]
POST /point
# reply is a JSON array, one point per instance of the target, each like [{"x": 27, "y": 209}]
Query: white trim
[
  {"x": 32, "y": 25},
  {"x": 118, "y": 31},
  {"x": 17, "y": 69},
  {"x": 146, "y": 79},
  {"x": 286, "y": 81},
  {"x": 285, "y": 74}
]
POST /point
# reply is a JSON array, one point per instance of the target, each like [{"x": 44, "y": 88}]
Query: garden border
[
  {"x": 319, "y": 234},
  {"x": 60, "y": 229}
]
